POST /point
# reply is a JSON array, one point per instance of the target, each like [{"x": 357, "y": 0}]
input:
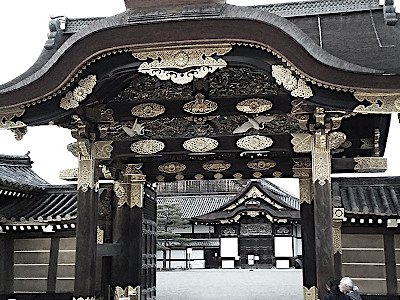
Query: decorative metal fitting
[
  {"x": 216, "y": 165},
  {"x": 128, "y": 292},
  {"x": 148, "y": 110},
  {"x": 147, "y": 146},
  {"x": 172, "y": 167},
  {"x": 200, "y": 144},
  {"x": 381, "y": 103},
  {"x": 296, "y": 87},
  {"x": 261, "y": 164},
  {"x": 370, "y": 164},
  {"x": 84, "y": 88},
  {"x": 254, "y": 142},
  {"x": 254, "y": 105},
  {"x": 200, "y": 106}
]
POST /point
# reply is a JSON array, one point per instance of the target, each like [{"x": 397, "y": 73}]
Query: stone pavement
[{"x": 232, "y": 284}]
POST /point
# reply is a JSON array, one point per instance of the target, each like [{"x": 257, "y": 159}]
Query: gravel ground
[{"x": 223, "y": 284}]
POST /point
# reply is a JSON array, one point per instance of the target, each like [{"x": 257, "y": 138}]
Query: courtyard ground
[{"x": 232, "y": 284}]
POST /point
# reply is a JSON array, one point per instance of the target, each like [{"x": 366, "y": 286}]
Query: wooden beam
[
  {"x": 390, "y": 262},
  {"x": 308, "y": 244},
  {"x": 53, "y": 263},
  {"x": 6, "y": 265},
  {"x": 108, "y": 249}
]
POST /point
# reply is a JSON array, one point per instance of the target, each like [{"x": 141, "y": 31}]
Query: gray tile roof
[
  {"x": 17, "y": 171},
  {"x": 57, "y": 203},
  {"x": 319, "y": 7},
  {"x": 367, "y": 196}
]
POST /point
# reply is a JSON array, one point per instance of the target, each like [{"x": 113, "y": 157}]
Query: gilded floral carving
[
  {"x": 201, "y": 144},
  {"x": 8, "y": 114},
  {"x": 380, "y": 103},
  {"x": 103, "y": 149},
  {"x": 261, "y": 164},
  {"x": 370, "y": 164},
  {"x": 254, "y": 105},
  {"x": 172, "y": 167},
  {"x": 73, "y": 98},
  {"x": 216, "y": 165},
  {"x": 200, "y": 106},
  {"x": 148, "y": 110},
  {"x": 128, "y": 292},
  {"x": 254, "y": 142},
  {"x": 296, "y": 87},
  {"x": 147, "y": 146}
]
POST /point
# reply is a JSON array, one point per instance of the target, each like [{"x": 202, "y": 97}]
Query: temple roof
[
  {"x": 16, "y": 171},
  {"x": 368, "y": 196}
]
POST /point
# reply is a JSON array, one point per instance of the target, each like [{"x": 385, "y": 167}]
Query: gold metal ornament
[
  {"x": 321, "y": 160},
  {"x": 370, "y": 164},
  {"x": 254, "y": 142},
  {"x": 68, "y": 174},
  {"x": 200, "y": 106},
  {"x": 172, "y": 167},
  {"x": 381, "y": 103},
  {"x": 257, "y": 174},
  {"x": 8, "y": 114},
  {"x": 86, "y": 178},
  {"x": 87, "y": 298},
  {"x": 237, "y": 175},
  {"x": 196, "y": 58},
  {"x": 179, "y": 177},
  {"x": 277, "y": 174},
  {"x": 336, "y": 139},
  {"x": 337, "y": 236},
  {"x": 84, "y": 88},
  {"x": 261, "y": 164},
  {"x": 128, "y": 292},
  {"x": 296, "y": 87},
  {"x": 218, "y": 176},
  {"x": 254, "y": 106},
  {"x": 103, "y": 149},
  {"x": 311, "y": 293},
  {"x": 302, "y": 142},
  {"x": 200, "y": 144},
  {"x": 148, "y": 110},
  {"x": 198, "y": 176},
  {"x": 147, "y": 146},
  {"x": 216, "y": 165},
  {"x": 160, "y": 178},
  {"x": 19, "y": 132},
  {"x": 100, "y": 236}
]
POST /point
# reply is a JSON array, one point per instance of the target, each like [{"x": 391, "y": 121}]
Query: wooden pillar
[
  {"x": 53, "y": 263},
  {"x": 390, "y": 263},
  {"x": 6, "y": 265},
  {"x": 86, "y": 229},
  {"x": 126, "y": 274}
]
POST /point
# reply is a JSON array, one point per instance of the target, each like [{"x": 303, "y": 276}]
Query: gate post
[
  {"x": 86, "y": 230},
  {"x": 127, "y": 270}
]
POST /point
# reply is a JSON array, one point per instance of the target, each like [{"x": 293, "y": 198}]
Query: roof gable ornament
[{"x": 169, "y": 61}]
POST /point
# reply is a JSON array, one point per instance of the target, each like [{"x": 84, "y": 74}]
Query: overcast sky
[{"x": 23, "y": 32}]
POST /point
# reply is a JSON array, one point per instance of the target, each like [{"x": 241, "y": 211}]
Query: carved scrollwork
[
  {"x": 254, "y": 142},
  {"x": 257, "y": 174},
  {"x": 321, "y": 165},
  {"x": 337, "y": 236},
  {"x": 148, "y": 110},
  {"x": 254, "y": 105},
  {"x": 100, "y": 236},
  {"x": 216, "y": 165},
  {"x": 296, "y": 87},
  {"x": 370, "y": 164},
  {"x": 172, "y": 167},
  {"x": 103, "y": 149},
  {"x": 261, "y": 164},
  {"x": 302, "y": 142},
  {"x": 336, "y": 139},
  {"x": 147, "y": 147},
  {"x": 381, "y": 103},
  {"x": 69, "y": 174},
  {"x": 86, "y": 178},
  {"x": 277, "y": 174},
  {"x": 84, "y": 88},
  {"x": 311, "y": 293},
  {"x": 8, "y": 114},
  {"x": 200, "y": 144},
  {"x": 129, "y": 193},
  {"x": 198, "y": 176},
  {"x": 197, "y": 58},
  {"x": 19, "y": 132},
  {"x": 200, "y": 106}
]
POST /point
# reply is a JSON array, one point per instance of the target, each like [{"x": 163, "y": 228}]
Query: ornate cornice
[
  {"x": 8, "y": 116},
  {"x": 370, "y": 164},
  {"x": 380, "y": 103}
]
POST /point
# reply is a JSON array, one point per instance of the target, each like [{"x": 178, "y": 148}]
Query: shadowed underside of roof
[{"x": 368, "y": 196}]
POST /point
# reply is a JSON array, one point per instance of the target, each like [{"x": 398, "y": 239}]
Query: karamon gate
[{"x": 194, "y": 90}]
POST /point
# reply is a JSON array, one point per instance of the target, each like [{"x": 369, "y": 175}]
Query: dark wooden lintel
[{"x": 108, "y": 249}]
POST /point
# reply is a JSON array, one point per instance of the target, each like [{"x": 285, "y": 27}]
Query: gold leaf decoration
[
  {"x": 277, "y": 174},
  {"x": 257, "y": 174},
  {"x": 200, "y": 106},
  {"x": 196, "y": 58},
  {"x": 218, "y": 176},
  {"x": 84, "y": 88},
  {"x": 261, "y": 164},
  {"x": 198, "y": 176},
  {"x": 254, "y": 142},
  {"x": 254, "y": 105},
  {"x": 172, "y": 167},
  {"x": 216, "y": 165},
  {"x": 201, "y": 144},
  {"x": 160, "y": 178},
  {"x": 237, "y": 175},
  {"x": 296, "y": 87},
  {"x": 148, "y": 110},
  {"x": 179, "y": 177},
  {"x": 147, "y": 146},
  {"x": 336, "y": 139}
]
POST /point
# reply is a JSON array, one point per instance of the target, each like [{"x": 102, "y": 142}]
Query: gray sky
[{"x": 23, "y": 31}]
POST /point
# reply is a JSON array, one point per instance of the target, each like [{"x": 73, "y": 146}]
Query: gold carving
[
  {"x": 254, "y": 105},
  {"x": 172, "y": 167},
  {"x": 277, "y": 174},
  {"x": 237, "y": 175},
  {"x": 302, "y": 142},
  {"x": 321, "y": 160},
  {"x": 381, "y": 103},
  {"x": 134, "y": 169},
  {"x": 254, "y": 142},
  {"x": 218, "y": 176},
  {"x": 147, "y": 146},
  {"x": 179, "y": 177},
  {"x": 106, "y": 172},
  {"x": 311, "y": 293},
  {"x": 336, "y": 139},
  {"x": 216, "y": 165},
  {"x": 129, "y": 193},
  {"x": 296, "y": 87},
  {"x": 261, "y": 164},
  {"x": 120, "y": 192},
  {"x": 87, "y": 298},
  {"x": 370, "y": 164},
  {"x": 19, "y": 132},
  {"x": 337, "y": 236},
  {"x": 69, "y": 174},
  {"x": 257, "y": 175},
  {"x": 200, "y": 106},
  {"x": 196, "y": 58},
  {"x": 338, "y": 213},
  {"x": 160, "y": 178},
  {"x": 198, "y": 176},
  {"x": 86, "y": 178},
  {"x": 6, "y": 116},
  {"x": 306, "y": 193},
  {"x": 84, "y": 88},
  {"x": 148, "y": 110},
  {"x": 102, "y": 149},
  {"x": 100, "y": 236},
  {"x": 128, "y": 292},
  {"x": 200, "y": 144}
]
